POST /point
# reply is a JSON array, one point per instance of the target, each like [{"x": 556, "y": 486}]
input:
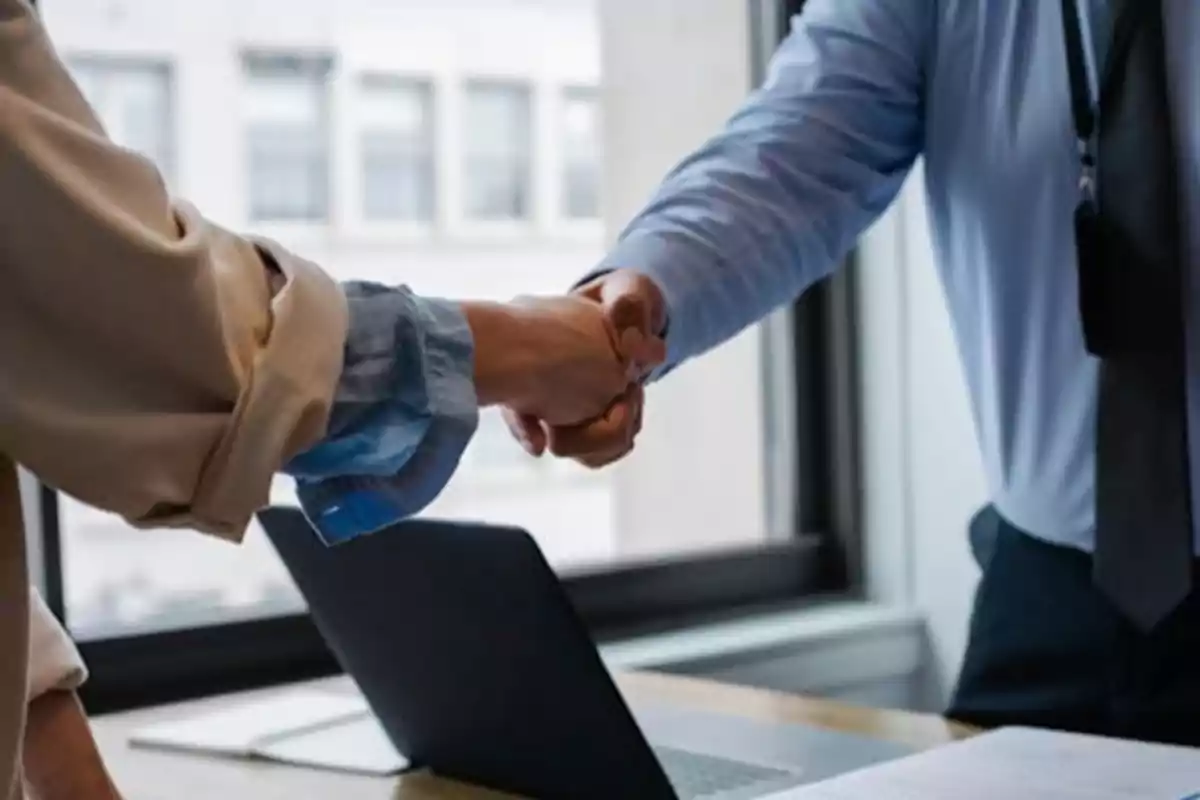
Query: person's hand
[
  {"x": 60, "y": 757},
  {"x": 555, "y": 359},
  {"x": 580, "y": 367},
  {"x": 635, "y": 309}
]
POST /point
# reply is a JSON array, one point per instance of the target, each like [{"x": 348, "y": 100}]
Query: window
[
  {"x": 581, "y": 154},
  {"x": 473, "y": 108},
  {"x": 287, "y": 138},
  {"x": 497, "y": 130},
  {"x": 132, "y": 98},
  {"x": 398, "y": 164}
]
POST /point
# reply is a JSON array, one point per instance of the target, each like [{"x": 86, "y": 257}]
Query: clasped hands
[{"x": 568, "y": 371}]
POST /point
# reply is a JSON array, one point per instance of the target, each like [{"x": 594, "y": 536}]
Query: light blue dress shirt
[{"x": 979, "y": 88}]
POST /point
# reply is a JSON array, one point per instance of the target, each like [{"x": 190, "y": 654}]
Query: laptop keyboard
[{"x": 695, "y": 776}]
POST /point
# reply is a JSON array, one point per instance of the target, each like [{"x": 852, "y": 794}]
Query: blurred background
[
  {"x": 452, "y": 146},
  {"x": 489, "y": 148}
]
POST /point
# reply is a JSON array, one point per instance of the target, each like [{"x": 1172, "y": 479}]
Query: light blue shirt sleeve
[
  {"x": 404, "y": 411},
  {"x": 776, "y": 200}
]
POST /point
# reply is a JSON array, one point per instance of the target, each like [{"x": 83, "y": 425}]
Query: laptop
[{"x": 471, "y": 657}]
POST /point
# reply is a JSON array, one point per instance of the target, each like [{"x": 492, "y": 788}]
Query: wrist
[
  {"x": 655, "y": 300},
  {"x": 635, "y": 284},
  {"x": 505, "y": 348}
]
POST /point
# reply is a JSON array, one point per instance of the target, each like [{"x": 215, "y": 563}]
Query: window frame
[
  {"x": 565, "y": 94},
  {"x": 427, "y": 86},
  {"x": 821, "y": 559},
  {"x": 472, "y": 221},
  {"x": 320, "y": 68}
]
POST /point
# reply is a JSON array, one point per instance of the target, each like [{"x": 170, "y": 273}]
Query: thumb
[{"x": 632, "y": 318}]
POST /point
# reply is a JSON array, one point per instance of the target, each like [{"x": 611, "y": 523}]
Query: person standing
[{"x": 1061, "y": 143}]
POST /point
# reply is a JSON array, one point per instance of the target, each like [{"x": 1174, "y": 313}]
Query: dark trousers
[{"x": 1046, "y": 649}]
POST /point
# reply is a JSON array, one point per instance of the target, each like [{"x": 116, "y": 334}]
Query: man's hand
[
  {"x": 634, "y": 308},
  {"x": 555, "y": 359}
]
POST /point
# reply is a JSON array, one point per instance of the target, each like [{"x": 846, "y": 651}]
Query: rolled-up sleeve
[
  {"x": 772, "y": 203},
  {"x": 54, "y": 661},
  {"x": 150, "y": 366},
  {"x": 404, "y": 410}
]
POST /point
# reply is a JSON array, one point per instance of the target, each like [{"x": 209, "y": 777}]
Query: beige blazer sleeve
[
  {"x": 54, "y": 661},
  {"x": 146, "y": 366}
]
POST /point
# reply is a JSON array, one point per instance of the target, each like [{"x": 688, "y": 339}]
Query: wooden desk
[{"x": 150, "y": 775}]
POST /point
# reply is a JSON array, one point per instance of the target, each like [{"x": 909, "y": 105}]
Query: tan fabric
[
  {"x": 14, "y": 629},
  {"x": 144, "y": 365},
  {"x": 54, "y": 661}
]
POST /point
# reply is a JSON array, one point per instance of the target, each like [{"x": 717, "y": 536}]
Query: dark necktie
[{"x": 1131, "y": 292}]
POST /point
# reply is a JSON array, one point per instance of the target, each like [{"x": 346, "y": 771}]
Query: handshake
[{"x": 568, "y": 371}]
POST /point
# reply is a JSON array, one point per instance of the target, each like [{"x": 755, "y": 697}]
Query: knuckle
[
  {"x": 572, "y": 442},
  {"x": 599, "y": 461}
]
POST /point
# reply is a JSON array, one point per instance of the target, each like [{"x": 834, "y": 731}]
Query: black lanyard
[
  {"x": 1084, "y": 107},
  {"x": 1103, "y": 306}
]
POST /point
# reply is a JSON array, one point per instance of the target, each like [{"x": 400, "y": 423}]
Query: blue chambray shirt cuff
[
  {"x": 664, "y": 261},
  {"x": 428, "y": 430}
]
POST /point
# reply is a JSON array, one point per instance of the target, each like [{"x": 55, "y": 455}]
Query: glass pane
[
  {"x": 119, "y": 580},
  {"x": 397, "y": 150},
  {"x": 133, "y": 102},
  {"x": 496, "y": 173},
  {"x": 335, "y": 115},
  {"x": 284, "y": 109},
  {"x": 581, "y": 153}
]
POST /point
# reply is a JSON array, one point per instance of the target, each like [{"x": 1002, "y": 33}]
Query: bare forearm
[
  {"x": 62, "y": 761},
  {"x": 505, "y": 350}
]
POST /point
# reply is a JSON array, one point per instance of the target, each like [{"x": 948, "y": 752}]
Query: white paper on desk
[
  {"x": 1023, "y": 763},
  {"x": 238, "y": 729},
  {"x": 304, "y": 727},
  {"x": 354, "y": 745}
]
